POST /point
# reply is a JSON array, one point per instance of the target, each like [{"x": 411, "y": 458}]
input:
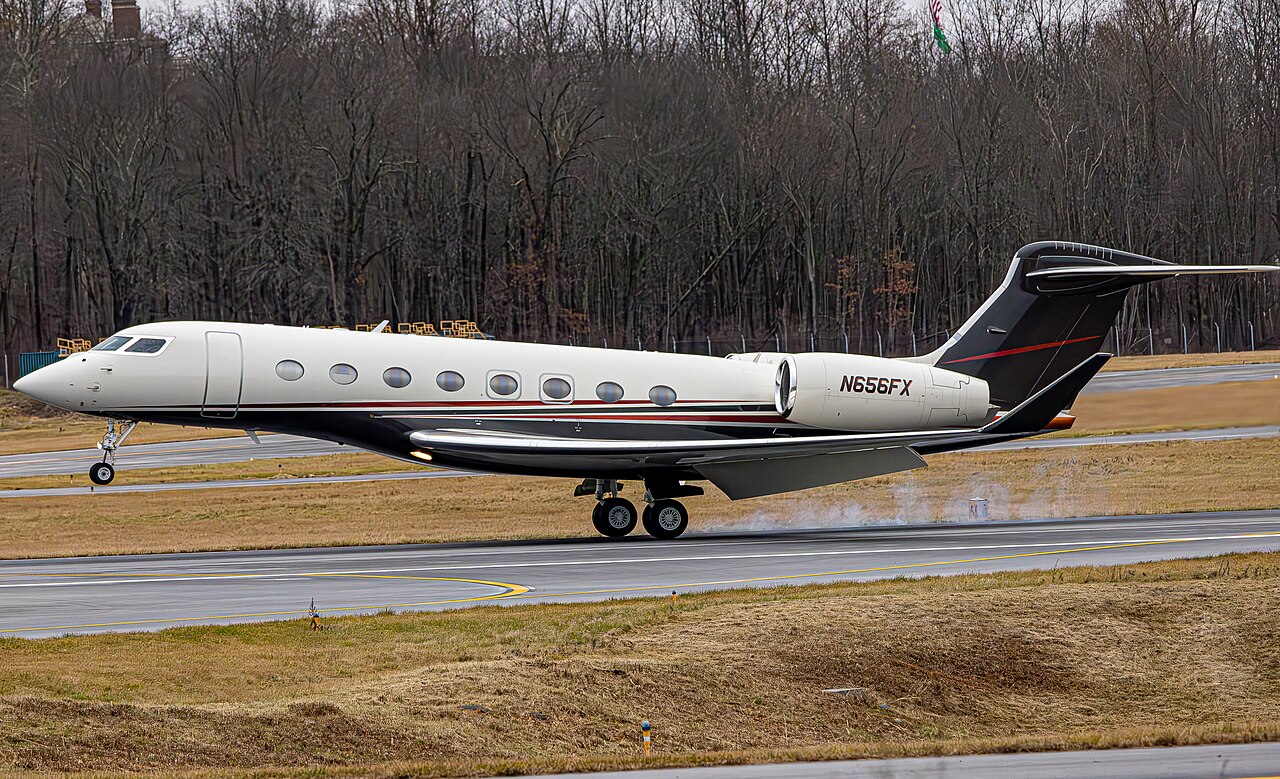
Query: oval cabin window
[
  {"x": 289, "y": 370},
  {"x": 662, "y": 395},
  {"x": 609, "y": 392},
  {"x": 450, "y": 381},
  {"x": 502, "y": 384},
  {"x": 396, "y": 377},
  {"x": 342, "y": 373},
  {"x": 556, "y": 389}
]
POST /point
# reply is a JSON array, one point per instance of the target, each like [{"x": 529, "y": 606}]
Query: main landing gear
[
  {"x": 117, "y": 430},
  {"x": 663, "y": 517}
]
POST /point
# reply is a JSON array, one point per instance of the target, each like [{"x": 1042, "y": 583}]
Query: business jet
[{"x": 752, "y": 424}]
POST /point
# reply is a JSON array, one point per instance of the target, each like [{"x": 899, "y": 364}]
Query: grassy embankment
[
  {"x": 1152, "y": 654},
  {"x": 1151, "y": 478}
]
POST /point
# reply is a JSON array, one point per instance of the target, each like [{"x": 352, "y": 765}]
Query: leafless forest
[{"x": 631, "y": 171}]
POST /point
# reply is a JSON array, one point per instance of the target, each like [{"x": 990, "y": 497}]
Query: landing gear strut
[
  {"x": 664, "y": 517},
  {"x": 117, "y": 430}
]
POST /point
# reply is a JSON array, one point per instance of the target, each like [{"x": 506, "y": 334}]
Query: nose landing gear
[{"x": 117, "y": 430}]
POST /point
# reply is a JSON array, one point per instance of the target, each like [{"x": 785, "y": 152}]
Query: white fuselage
[{"x": 372, "y": 389}]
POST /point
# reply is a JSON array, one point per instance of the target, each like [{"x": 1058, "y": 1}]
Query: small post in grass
[
  {"x": 673, "y": 599},
  {"x": 644, "y": 731},
  {"x": 315, "y": 615}
]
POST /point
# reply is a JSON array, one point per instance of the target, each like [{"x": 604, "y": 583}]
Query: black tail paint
[{"x": 1032, "y": 331}]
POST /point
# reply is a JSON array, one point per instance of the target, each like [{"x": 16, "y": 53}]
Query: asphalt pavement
[
  {"x": 1233, "y": 761},
  {"x": 1124, "y": 381},
  {"x": 150, "y": 592}
]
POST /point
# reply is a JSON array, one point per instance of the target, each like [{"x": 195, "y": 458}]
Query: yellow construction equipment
[{"x": 68, "y": 346}]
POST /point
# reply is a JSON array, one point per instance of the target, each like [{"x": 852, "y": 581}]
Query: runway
[
  {"x": 150, "y": 592},
  {"x": 1221, "y": 761},
  {"x": 273, "y": 447},
  {"x": 1125, "y": 381}
]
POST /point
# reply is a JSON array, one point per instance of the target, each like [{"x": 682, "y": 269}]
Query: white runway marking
[{"x": 143, "y": 578}]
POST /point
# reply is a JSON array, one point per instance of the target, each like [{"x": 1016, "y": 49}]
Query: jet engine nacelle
[{"x": 855, "y": 392}]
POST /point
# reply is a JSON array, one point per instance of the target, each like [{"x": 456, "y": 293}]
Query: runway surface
[
  {"x": 242, "y": 449},
  {"x": 149, "y": 592},
  {"x": 1124, "y": 381},
  {"x": 1234, "y": 761},
  {"x": 53, "y": 464}
]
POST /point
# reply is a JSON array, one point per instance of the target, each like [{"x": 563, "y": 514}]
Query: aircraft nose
[{"x": 48, "y": 384}]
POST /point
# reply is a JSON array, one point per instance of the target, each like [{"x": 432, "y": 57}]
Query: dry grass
[
  {"x": 1171, "y": 652},
  {"x": 1234, "y": 404},
  {"x": 1143, "y": 362},
  {"x": 1148, "y": 478}
]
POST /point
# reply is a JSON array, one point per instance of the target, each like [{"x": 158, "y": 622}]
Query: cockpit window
[
  {"x": 146, "y": 346},
  {"x": 112, "y": 343}
]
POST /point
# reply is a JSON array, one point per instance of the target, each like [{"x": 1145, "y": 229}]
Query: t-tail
[{"x": 1051, "y": 314}]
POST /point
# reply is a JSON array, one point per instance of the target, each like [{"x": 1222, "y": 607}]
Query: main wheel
[
  {"x": 614, "y": 517},
  {"x": 102, "y": 473},
  {"x": 665, "y": 519}
]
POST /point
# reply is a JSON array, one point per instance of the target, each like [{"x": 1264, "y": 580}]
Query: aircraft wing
[
  {"x": 749, "y": 467},
  {"x": 741, "y": 468}
]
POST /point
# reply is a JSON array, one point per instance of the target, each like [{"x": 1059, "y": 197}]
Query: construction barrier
[{"x": 34, "y": 361}]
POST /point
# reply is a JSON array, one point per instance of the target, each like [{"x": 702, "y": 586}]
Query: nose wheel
[
  {"x": 117, "y": 430},
  {"x": 102, "y": 473}
]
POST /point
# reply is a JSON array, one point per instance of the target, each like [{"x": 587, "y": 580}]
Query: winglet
[{"x": 1038, "y": 411}]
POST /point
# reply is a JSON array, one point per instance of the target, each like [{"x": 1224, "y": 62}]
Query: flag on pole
[{"x": 935, "y": 10}]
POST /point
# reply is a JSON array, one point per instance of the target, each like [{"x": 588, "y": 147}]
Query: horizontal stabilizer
[
  {"x": 1038, "y": 411},
  {"x": 1094, "y": 271},
  {"x": 753, "y": 478}
]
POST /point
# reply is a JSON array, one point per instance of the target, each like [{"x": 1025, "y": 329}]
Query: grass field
[
  {"x": 1232, "y": 404},
  {"x": 1157, "y": 653},
  {"x": 1142, "y": 362},
  {"x": 1149, "y": 478}
]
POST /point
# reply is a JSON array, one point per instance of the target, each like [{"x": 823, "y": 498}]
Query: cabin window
[
  {"x": 556, "y": 388},
  {"x": 289, "y": 370},
  {"x": 112, "y": 343},
  {"x": 450, "y": 381},
  {"x": 342, "y": 373},
  {"x": 396, "y": 377},
  {"x": 146, "y": 346},
  {"x": 662, "y": 395},
  {"x": 503, "y": 384},
  {"x": 609, "y": 392}
]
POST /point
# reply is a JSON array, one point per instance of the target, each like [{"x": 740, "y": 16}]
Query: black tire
[
  {"x": 614, "y": 517},
  {"x": 102, "y": 473},
  {"x": 665, "y": 519}
]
